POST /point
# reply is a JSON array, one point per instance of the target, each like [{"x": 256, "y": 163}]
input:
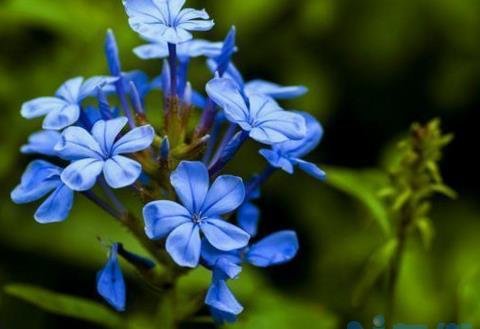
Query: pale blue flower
[
  {"x": 100, "y": 151},
  {"x": 63, "y": 110},
  {"x": 40, "y": 179},
  {"x": 223, "y": 305},
  {"x": 201, "y": 210},
  {"x": 166, "y": 20},
  {"x": 262, "y": 118},
  {"x": 110, "y": 282},
  {"x": 287, "y": 155}
]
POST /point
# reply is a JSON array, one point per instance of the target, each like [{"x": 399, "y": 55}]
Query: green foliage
[
  {"x": 66, "y": 305},
  {"x": 364, "y": 186}
]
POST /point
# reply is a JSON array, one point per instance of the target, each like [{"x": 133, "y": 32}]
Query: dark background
[{"x": 373, "y": 67}]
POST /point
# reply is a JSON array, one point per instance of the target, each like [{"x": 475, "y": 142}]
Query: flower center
[{"x": 197, "y": 218}]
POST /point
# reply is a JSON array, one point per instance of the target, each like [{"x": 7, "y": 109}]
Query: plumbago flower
[
  {"x": 176, "y": 169},
  {"x": 63, "y": 110},
  {"x": 287, "y": 155},
  {"x": 201, "y": 211},
  {"x": 166, "y": 19},
  {"x": 96, "y": 152}
]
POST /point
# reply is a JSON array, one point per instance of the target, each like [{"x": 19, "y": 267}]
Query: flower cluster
[{"x": 188, "y": 203}]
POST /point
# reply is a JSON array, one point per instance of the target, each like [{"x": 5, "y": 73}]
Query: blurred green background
[{"x": 372, "y": 66}]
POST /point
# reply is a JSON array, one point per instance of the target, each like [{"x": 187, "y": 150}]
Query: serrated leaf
[
  {"x": 66, "y": 305},
  {"x": 363, "y": 185}
]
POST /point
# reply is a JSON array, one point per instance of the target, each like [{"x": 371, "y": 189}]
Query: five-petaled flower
[
  {"x": 288, "y": 154},
  {"x": 41, "y": 178},
  {"x": 64, "y": 109},
  {"x": 201, "y": 211},
  {"x": 263, "y": 118},
  {"x": 165, "y": 20},
  {"x": 100, "y": 151}
]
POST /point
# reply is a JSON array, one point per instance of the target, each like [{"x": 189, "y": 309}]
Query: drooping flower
[
  {"x": 275, "y": 249},
  {"x": 42, "y": 178},
  {"x": 100, "y": 151},
  {"x": 166, "y": 20},
  {"x": 224, "y": 307},
  {"x": 110, "y": 282},
  {"x": 287, "y": 155},
  {"x": 263, "y": 118},
  {"x": 63, "y": 110},
  {"x": 42, "y": 142},
  {"x": 201, "y": 210}
]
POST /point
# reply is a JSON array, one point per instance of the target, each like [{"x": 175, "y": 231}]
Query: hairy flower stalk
[{"x": 186, "y": 221}]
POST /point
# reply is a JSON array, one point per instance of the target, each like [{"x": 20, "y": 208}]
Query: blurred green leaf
[
  {"x": 376, "y": 265},
  {"x": 427, "y": 231},
  {"x": 66, "y": 305},
  {"x": 364, "y": 185}
]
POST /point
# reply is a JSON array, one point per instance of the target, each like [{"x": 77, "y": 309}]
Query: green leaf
[
  {"x": 427, "y": 231},
  {"x": 376, "y": 265},
  {"x": 364, "y": 185},
  {"x": 70, "y": 306}
]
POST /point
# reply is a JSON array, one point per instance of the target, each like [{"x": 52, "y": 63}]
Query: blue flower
[
  {"x": 275, "y": 249},
  {"x": 41, "y": 178},
  {"x": 165, "y": 20},
  {"x": 185, "y": 50},
  {"x": 42, "y": 142},
  {"x": 202, "y": 208},
  {"x": 100, "y": 151},
  {"x": 288, "y": 154},
  {"x": 63, "y": 110},
  {"x": 263, "y": 118},
  {"x": 248, "y": 214},
  {"x": 110, "y": 282},
  {"x": 224, "y": 307}
]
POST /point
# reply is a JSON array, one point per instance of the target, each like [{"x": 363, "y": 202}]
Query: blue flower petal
[
  {"x": 105, "y": 132},
  {"x": 89, "y": 87},
  {"x": 82, "y": 175},
  {"x": 273, "y": 90},
  {"x": 222, "y": 317},
  {"x": 110, "y": 282},
  {"x": 225, "y": 269},
  {"x": 221, "y": 298},
  {"x": 152, "y": 50},
  {"x": 60, "y": 118},
  {"x": 247, "y": 216},
  {"x": 276, "y": 160},
  {"x": 190, "y": 180},
  {"x": 56, "y": 207},
  {"x": 211, "y": 255},
  {"x": 184, "y": 245},
  {"x": 277, "y": 248},
  {"x": 300, "y": 148},
  {"x": 41, "y": 106},
  {"x": 225, "y": 195},
  {"x": 77, "y": 143},
  {"x": 135, "y": 140},
  {"x": 225, "y": 93},
  {"x": 70, "y": 90},
  {"x": 311, "y": 169},
  {"x": 272, "y": 124},
  {"x": 120, "y": 171},
  {"x": 39, "y": 178},
  {"x": 223, "y": 235},
  {"x": 42, "y": 142},
  {"x": 161, "y": 217}
]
